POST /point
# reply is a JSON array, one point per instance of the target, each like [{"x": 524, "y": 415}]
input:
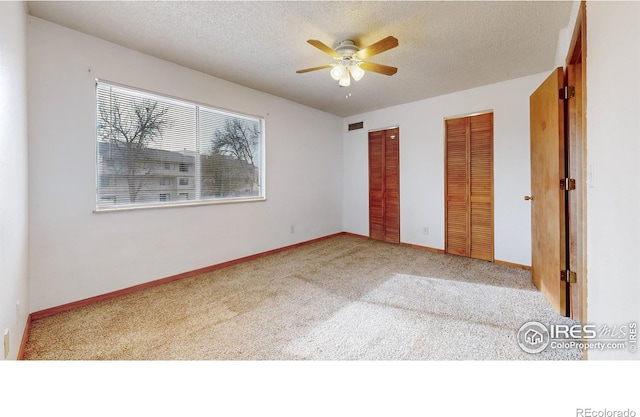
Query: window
[
  {"x": 108, "y": 200},
  {"x": 105, "y": 181},
  {"x": 146, "y": 142}
]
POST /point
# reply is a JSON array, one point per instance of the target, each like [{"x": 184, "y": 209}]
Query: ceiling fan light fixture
[
  {"x": 350, "y": 60},
  {"x": 345, "y": 80},
  {"x": 356, "y": 72},
  {"x": 338, "y": 71}
]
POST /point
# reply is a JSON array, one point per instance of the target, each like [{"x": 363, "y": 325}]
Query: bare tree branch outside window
[
  {"x": 130, "y": 129},
  {"x": 230, "y": 169}
]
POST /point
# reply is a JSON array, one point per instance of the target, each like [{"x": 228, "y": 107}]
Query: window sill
[{"x": 174, "y": 205}]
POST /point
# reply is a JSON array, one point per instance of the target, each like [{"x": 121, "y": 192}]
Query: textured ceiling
[{"x": 444, "y": 46}]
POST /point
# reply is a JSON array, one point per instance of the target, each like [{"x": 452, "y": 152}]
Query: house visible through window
[{"x": 147, "y": 145}]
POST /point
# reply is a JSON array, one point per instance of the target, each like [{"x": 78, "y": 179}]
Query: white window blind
[{"x": 154, "y": 150}]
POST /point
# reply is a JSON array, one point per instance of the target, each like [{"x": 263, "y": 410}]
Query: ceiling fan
[{"x": 350, "y": 60}]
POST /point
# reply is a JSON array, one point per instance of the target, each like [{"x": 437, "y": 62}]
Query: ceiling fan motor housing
[{"x": 347, "y": 49}]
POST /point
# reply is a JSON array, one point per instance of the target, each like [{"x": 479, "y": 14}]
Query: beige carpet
[{"x": 344, "y": 298}]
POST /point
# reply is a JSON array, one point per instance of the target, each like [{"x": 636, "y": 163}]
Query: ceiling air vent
[{"x": 356, "y": 126}]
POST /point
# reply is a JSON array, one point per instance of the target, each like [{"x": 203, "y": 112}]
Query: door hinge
[
  {"x": 568, "y": 184},
  {"x": 567, "y": 92},
  {"x": 569, "y": 277}
]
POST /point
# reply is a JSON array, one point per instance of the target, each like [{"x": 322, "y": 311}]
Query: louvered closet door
[
  {"x": 376, "y": 185},
  {"x": 469, "y": 184},
  {"x": 457, "y": 188},
  {"x": 391, "y": 187},
  {"x": 481, "y": 186},
  {"x": 384, "y": 185}
]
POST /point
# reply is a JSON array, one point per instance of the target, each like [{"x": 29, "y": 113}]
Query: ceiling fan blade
[
  {"x": 324, "y": 48},
  {"x": 384, "y": 45},
  {"x": 313, "y": 69},
  {"x": 379, "y": 68}
]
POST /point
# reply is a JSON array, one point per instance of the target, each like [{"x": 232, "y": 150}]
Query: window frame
[{"x": 261, "y": 120}]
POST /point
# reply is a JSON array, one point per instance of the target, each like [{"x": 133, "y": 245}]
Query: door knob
[{"x": 528, "y": 197}]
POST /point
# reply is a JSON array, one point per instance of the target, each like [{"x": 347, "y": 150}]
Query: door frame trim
[
  {"x": 380, "y": 129},
  {"x": 577, "y": 54},
  {"x": 459, "y": 116}
]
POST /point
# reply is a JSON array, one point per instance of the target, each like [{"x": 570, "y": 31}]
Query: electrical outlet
[
  {"x": 6, "y": 343},
  {"x": 426, "y": 231},
  {"x": 293, "y": 229}
]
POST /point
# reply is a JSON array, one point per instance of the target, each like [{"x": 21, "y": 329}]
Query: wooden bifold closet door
[
  {"x": 384, "y": 185},
  {"x": 469, "y": 186}
]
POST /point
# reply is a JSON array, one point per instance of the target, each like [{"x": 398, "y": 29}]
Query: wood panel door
[
  {"x": 548, "y": 245},
  {"x": 469, "y": 186},
  {"x": 384, "y": 185}
]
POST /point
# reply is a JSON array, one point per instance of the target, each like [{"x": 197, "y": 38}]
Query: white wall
[
  {"x": 422, "y": 165},
  {"x": 14, "y": 284},
  {"x": 565, "y": 35},
  {"x": 613, "y": 159},
  {"x": 75, "y": 254}
]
